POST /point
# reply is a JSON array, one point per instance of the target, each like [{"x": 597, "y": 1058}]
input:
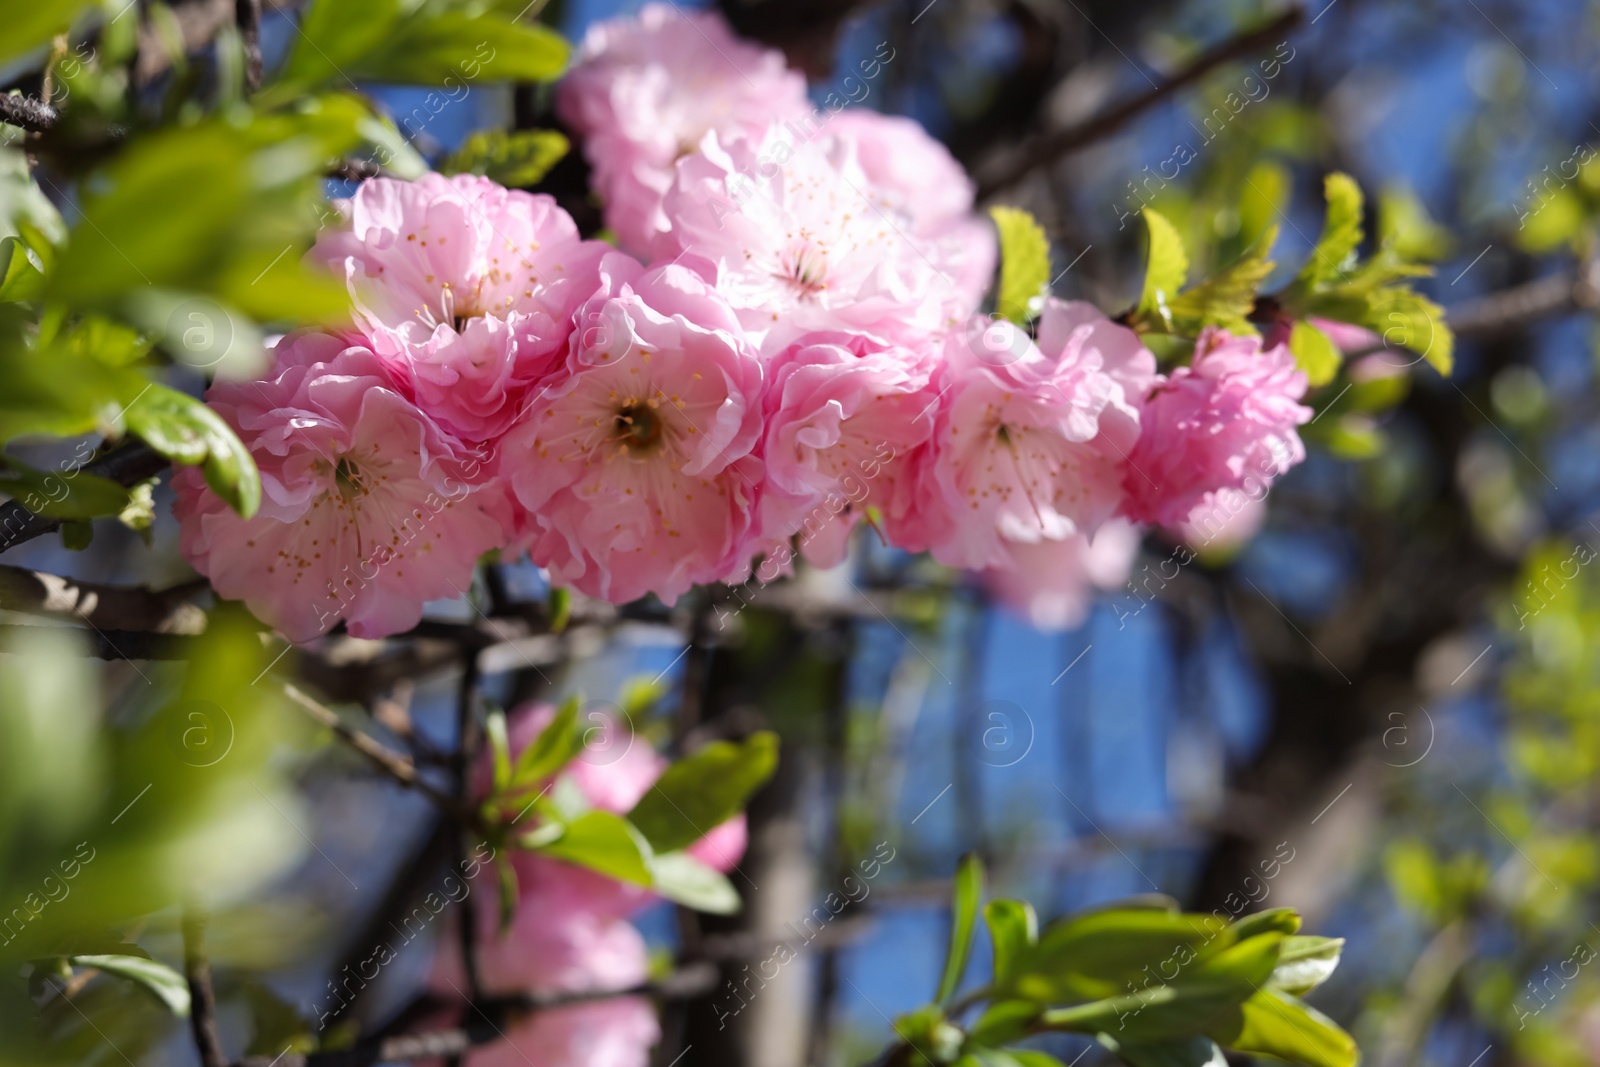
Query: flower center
[
  {"x": 805, "y": 266},
  {"x": 638, "y": 428},
  {"x": 347, "y": 476}
]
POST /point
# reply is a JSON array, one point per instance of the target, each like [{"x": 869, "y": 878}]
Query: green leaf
[
  {"x": 1006, "y": 1020},
  {"x": 19, "y": 279},
  {"x": 67, "y": 494},
  {"x": 1032, "y": 1057},
  {"x": 1409, "y": 320},
  {"x": 1272, "y": 1024},
  {"x": 161, "y": 981},
  {"x": 1262, "y": 201},
  {"x": 556, "y": 744},
  {"x": 1315, "y": 353},
  {"x": 30, "y": 25},
  {"x": 704, "y": 790},
  {"x": 683, "y": 879},
  {"x": 1405, "y": 225},
  {"x": 966, "y": 895},
  {"x": 606, "y": 843},
  {"x": 76, "y": 534},
  {"x": 1177, "y": 1007},
  {"x": 1013, "y": 929},
  {"x": 1096, "y": 955},
  {"x": 1177, "y": 1052},
  {"x": 1334, "y": 254},
  {"x": 559, "y": 608},
  {"x": 1167, "y": 268},
  {"x": 1273, "y": 920},
  {"x": 506, "y": 882},
  {"x": 1024, "y": 264},
  {"x": 1305, "y": 963},
  {"x": 494, "y": 726},
  {"x": 1227, "y": 297},
  {"x": 186, "y": 431},
  {"x": 514, "y": 158}
]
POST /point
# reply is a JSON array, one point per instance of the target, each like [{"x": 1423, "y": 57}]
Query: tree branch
[
  {"x": 1577, "y": 289},
  {"x": 32, "y": 115},
  {"x": 248, "y": 15},
  {"x": 202, "y": 1000},
  {"x": 684, "y": 983},
  {"x": 107, "y": 607},
  {"x": 1048, "y": 147}
]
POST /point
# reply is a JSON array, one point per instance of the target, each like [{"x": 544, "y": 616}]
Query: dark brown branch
[
  {"x": 486, "y": 1025},
  {"x": 396, "y": 765},
  {"x": 128, "y": 465},
  {"x": 32, "y": 115},
  {"x": 248, "y": 15},
  {"x": 108, "y": 607},
  {"x": 1049, "y": 147},
  {"x": 355, "y": 170},
  {"x": 202, "y": 1001}
]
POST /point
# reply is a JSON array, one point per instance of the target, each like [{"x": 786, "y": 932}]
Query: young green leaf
[
  {"x": 157, "y": 979},
  {"x": 74, "y": 494},
  {"x": 187, "y": 431},
  {"x": 1024, "y": 263},
  {"x": 1314, "y": 353},
  {"x": 1334, "y": 254},
  {"x": 1272, "y": 1024},
  {"x": 1167, "y": 268},
  {"x": 606, "y": 843},
  {"x": 966, "y": 895},
  {"x": 1013, "y": 929},
  {"x": 1227, "y": 297},
  {"x": 704, "y": 790},
  {"x": 684, "y": 880},
  {"x": 556, "y": 744},
  {"x": 1005, "y": 1020},
  {"x": 1305, "y": 963},
  {"x": 19, "y": 278},
  {"x": 495, "y": 727},
  {"x": 1097, "y": 954},
  {"x": 506, "y": 882},
  {"x": 514, "y": 158},
  {"x": 1273, "y": 920}
]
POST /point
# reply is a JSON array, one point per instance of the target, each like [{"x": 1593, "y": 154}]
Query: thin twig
[
  {"x": 109, "y": 607},
  {"x": 1052, "y": 146},
  {"x": 395, "y": 764},
  {"x": 248, "y": 15},
  {"x": 202, "y": 1000},
  {"x": 1571, "y": 290}
]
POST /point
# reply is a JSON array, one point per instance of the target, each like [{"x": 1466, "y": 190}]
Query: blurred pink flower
[
  {"x": 465, "y": 290},
  {"x": 635, "y": 467},
  {"x": 795, "y": 241},
  {"x": 845, "y": 414},
  {"x": 1225, "y": 421},
  {"x": 1223, "y": 521},
  {"x": 368, "y": 509},
  {"x": 1052, "y": 583},
  {"x": 1031, "y": 439},
  {"x": 645, "y": 89}
]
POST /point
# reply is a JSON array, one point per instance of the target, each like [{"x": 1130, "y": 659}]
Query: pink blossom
[
  {"x": 465, "y": 289},
  {"x": 1225, "y": 421},
  {"x": 636, "y": 467},
  {"x": 1052, "y": 583},
  {"x": 796, "y": 241},
  {"x": 646, "y": 89},
  {"x": 368, "y": 508},
  {"x": 913, "y": 177},
  {"x": 845, "y": 415},
  {"x": 1223, "y": 521},
  {"x": 1031, "y": 439}
]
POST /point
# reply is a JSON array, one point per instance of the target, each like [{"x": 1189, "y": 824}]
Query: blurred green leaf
[
  {"x": 19, "y": 279},
  {"x": 1013, "y": 930},
  {"x": 1166, "y": 269},
  {"x": 1177, "y": 1052},
  {"x": 499, "y": 747},
  {"x": 606, "y": 843},
  {"x": 555, "y": 746},
  {"x": 966, "y": 896},
  {"x": 30, "y": 25},
  {"x": 1097, "y": 954},
  {"x": 1024, "y": 264},
  {"x": 1405, "y": 225},
  {"x": 704, "y": 790},
  {"x": 1314, "y": 353},
  {"x": 157, "y": 979},
  {"x": 188, "y": 432},
  {"x": 514, "y": 158},
  {"x": 1335, "y": 251},
  {"x": 68, "y": 494},
  {"x": 684, "y": 880}
]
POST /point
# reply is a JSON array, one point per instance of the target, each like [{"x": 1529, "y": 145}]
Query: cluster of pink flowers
[
  {"x": 786, "y": 345},
  {"x": 571, "y": 932}
]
